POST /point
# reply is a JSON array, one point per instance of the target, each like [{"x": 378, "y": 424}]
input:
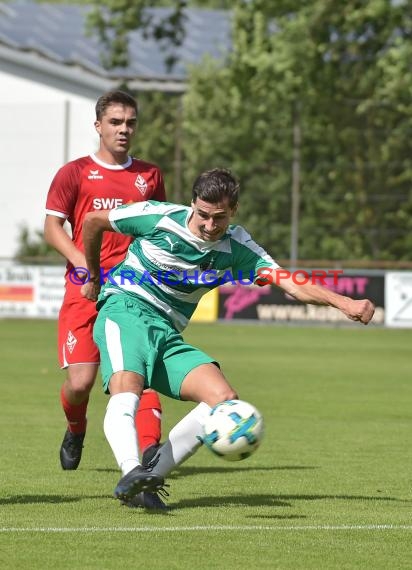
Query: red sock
[
  {"x": 148, "y": 420},
  {"x": 75, "y": 414}
]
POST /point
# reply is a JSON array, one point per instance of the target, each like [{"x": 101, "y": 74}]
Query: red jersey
[{"x": 88, "y": 184}]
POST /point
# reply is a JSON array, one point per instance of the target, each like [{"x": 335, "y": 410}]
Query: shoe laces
[
  {"x": 149, "y": 453},
  {"x": 162, "y": 491},
  {"x": 152, "y": 463},
  {"x": 75, "y": 442}
]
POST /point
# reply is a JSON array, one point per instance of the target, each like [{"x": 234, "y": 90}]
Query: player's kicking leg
[
  {"x": 205, "y": 382},
  {"x": 120, "y": 430}
]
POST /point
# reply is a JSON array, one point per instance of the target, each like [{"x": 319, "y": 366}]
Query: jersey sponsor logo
[
  {"x": 106, "y": 203},
  {"x": 71, "y": 341},
  {"x": 141, "y": 184},
  {"x": 94, "y": 175},
  {"x": 173, "y": 244}
]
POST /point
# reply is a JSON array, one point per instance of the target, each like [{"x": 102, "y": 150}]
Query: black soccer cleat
[
  {"x": 71, "y": 450},
  {"x": 137, "y": 480},
  {"x": 149, "y": 501}
]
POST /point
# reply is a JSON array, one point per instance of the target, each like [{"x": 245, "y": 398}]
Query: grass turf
[{"x": 328, "y": 489}]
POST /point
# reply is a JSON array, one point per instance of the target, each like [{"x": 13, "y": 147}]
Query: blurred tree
[
  {"x": 337, "y": 73},
  {"x": 355, "y": 182},
  {"x": 347, "y": 68},
  {"x": 159, "y": 136},
  {"x": 32, "y": 245},
  {"x": 241, "y": 115}
]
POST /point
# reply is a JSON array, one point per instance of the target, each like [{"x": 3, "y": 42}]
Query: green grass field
[{"x": 330, "y": 487}]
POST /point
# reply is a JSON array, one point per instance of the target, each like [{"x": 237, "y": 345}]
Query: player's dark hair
[
  {"x": 215, "y": 185},
  {"x": 114, "y": 96}
]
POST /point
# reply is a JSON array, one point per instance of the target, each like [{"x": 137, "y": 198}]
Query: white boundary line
[{"x": 207, "y": 528}]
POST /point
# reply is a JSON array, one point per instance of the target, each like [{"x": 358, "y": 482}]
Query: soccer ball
[{"x": 233, "y": 430}]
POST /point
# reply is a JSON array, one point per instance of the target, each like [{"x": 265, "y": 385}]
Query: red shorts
[{"x": 75, "y": 330}]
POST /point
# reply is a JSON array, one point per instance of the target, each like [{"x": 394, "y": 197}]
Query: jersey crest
[{"x": 141, "y": 184}]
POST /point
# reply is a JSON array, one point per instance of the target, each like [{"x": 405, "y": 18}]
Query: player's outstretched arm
[
  {"x": 361, "y": 310},
  {"x": 95, "y": 223}
]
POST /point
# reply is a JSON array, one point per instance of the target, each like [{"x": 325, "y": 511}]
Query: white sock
[
  {"x": 120, "y": 429},
  {"x": 184, "y": 439}
]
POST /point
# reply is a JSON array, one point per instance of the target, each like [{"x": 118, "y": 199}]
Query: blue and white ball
[{"x": 233, "y": 430}]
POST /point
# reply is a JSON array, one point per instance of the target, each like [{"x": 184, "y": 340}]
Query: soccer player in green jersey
[{"x": 178, "y": 254}]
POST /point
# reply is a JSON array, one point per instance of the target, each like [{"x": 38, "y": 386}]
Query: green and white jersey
[{"x": 170, "y": 267}]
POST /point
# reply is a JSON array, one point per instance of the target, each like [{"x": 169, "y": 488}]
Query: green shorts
[{"x": 132, "y": 335}]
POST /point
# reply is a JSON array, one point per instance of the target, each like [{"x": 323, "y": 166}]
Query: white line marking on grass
[{"x": 209, "y": 528}]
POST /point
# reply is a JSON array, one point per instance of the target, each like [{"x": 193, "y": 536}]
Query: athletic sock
[
  {"x": 120, "y": 429},
  {"x": 149, "y": 420},
  {"x": 184, "y": 439},
  {"x": 75, "y": 414}
]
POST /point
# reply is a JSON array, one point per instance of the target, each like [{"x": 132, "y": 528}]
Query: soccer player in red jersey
[{"x": 100, "y": 181}]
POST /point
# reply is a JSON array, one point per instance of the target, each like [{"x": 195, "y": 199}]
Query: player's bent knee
[
  {"x": 228, "y": 394},
  {"x": 219, "y": 396},
  {"x": 206, "y": 383},
  {"x": 233, "y": 395}
]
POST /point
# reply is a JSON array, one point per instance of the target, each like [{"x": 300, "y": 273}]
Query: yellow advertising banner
[{"x": 207, "y": 309}]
